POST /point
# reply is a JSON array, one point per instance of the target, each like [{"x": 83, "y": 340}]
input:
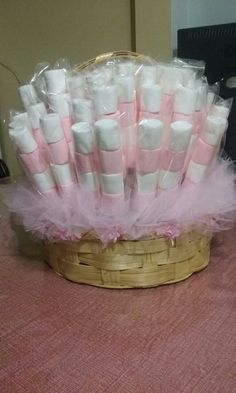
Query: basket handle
[{"x": 107, "y": 56}]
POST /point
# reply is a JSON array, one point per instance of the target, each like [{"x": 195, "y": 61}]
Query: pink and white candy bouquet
[{"x": 122, "y": 148}]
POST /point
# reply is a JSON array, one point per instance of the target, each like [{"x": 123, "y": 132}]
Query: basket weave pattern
[{"x": 129, "y": 264}]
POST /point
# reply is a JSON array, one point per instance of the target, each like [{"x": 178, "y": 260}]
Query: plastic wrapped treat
[{"x": 123, "y": 147}]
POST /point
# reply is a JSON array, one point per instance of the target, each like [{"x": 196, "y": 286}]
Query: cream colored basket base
[{"x": 129, "y": 264}]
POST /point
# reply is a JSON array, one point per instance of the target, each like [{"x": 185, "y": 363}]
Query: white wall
[{"x": 194, "y": 13}]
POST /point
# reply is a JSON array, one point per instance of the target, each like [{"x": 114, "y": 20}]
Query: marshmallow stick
[
  {"x": 32, "y": 159},
  {"x": 55, "y": 81},
  {"x": 54, "y": 135},
  {"x": 109, "y": 146},
  {"x": 111, "y": 163},
  {"x": 84, "y": 148},
  {"x": 127, "y": 109},
  {"x": 185, "y": 100},
  {"x": 173, "y": 157},
  {"x": 28, "y": 95},
  {"x": 35, "y": 112},
  {"x": 61, "y": 104},
  {"x": 170, "y": 79},
  {"x": 149, "y": 145},
  {"x": 205, "y": 149},
  {"x": 201, "y": 106}
]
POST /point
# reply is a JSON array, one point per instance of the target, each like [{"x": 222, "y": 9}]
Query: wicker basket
[{"x": 129, "y": 264}]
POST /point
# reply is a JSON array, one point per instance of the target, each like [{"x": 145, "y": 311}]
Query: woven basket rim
[{"x": 109, "y": 55}]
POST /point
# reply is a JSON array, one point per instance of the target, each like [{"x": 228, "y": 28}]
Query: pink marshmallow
[
  {"x": 38, "y": 136},
  {"x": 127, "y": 114},
  {"x": 167, "y": 104},
  {"x": 148, "y": 160},
  {"x": 203, "y": 152},
  {"x": 113, "y": 116},
  {"x": 85, "y": 162},
  {"x": 34, "y": 162},
  {"x": 148, "y": 115},
  {"x": 59, "y": 152},
  {"x": 50, "y": 193},
  {"x": 181, "y": 116},
  {"x": 112, "y": 203},
  {"x": 198, "y": 120},
  {"x": 111, "y": 161},
  {"x": 172, "y": 160}
]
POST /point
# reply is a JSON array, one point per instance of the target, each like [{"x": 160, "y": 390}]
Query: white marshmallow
[
  {"x": 112, "y": 184},
  {"x": 126, "y": 88},
  {"x": 189, "y": 76},
  {"x": 214, "y": 129},
  {"x": 147, "y": 182},
  {"x": 171, "y": 79},
  {"x": 43, "y": 181},
  {"x": 23, "y": 139},
  {"x": 185, "y": 100},
  {"x": 150, "y": 97},
  {"x": 220, "y": 111},
  {"x": 55, "y": 81},
  {"x": 94, "y": 80},
  {"x": 89, "y": 180},
  {"x": 179, "y": 135},
  {"x": 83, "y": 137},
  {"x": 150, "y": 134},
  {"x": 168, "y": 179},
  {"x": 196, "y": 172},
  {"x": 52, "y": 127},
  {"x": 83, "y": 110},
  {"x": 75, "y": 84},
  {"x": 125, "y": 68},
  {"x": 28, "y": 95},
  {"x": 21, "y": 119},
  {"x": 210, "y": 99},
  {"x": 35, "y": 112},
  {"x": 105, "y": 99},
  {"x": 62, "y": 174},
  {"x": 148, "y": 75},
  {"x": 107, "y": 134},
  {"x": 60, "y": 103},
  {"x": 201, "y": 95}
]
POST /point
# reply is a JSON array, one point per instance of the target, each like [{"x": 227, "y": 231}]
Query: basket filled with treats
[{"x": 125, "y": 180}]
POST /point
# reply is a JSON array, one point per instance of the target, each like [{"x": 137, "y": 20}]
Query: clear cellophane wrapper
[{"x": 124, "y": 147}]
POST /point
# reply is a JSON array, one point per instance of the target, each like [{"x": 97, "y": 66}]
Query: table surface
[{"x": 58, "y": 336}]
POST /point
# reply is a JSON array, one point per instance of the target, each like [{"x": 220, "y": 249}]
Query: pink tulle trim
[{"x": 209, "y": 206}]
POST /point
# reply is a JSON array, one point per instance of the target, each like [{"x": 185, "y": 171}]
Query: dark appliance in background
[
  {"x": 4, "y": 171},
  {"x": 216, "y": 45}
]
